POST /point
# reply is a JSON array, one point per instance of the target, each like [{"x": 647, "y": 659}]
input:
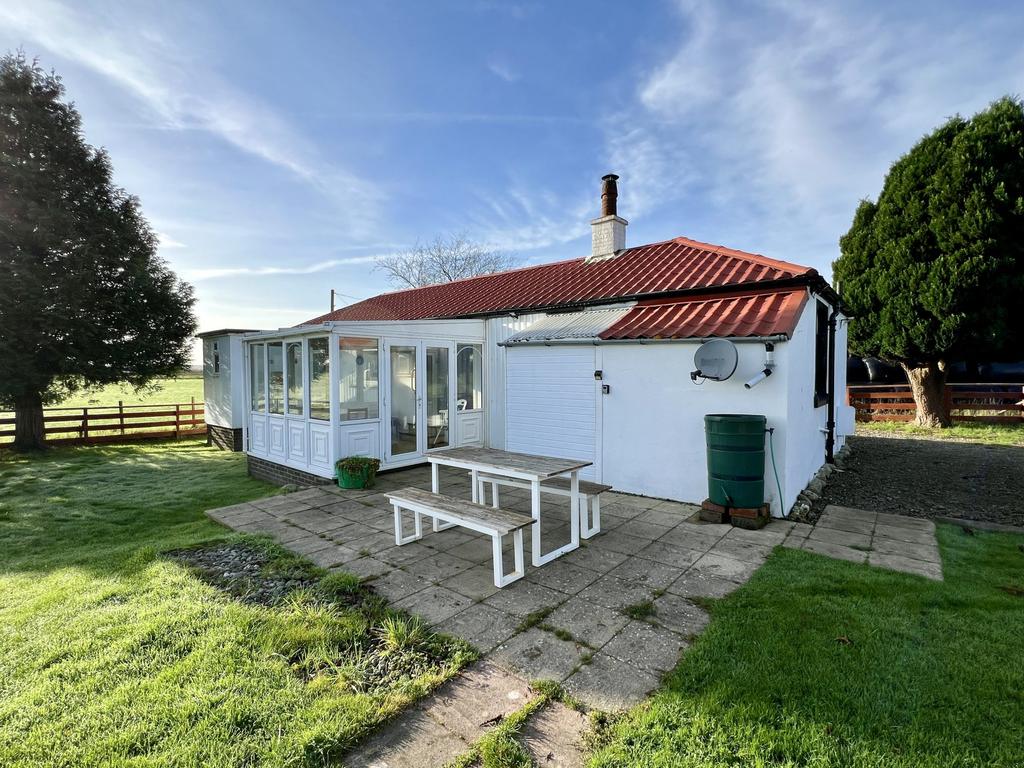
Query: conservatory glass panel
[
  {"x": 257, "y": 379},
  {"x": 296, "y": 394},
  {"x": 275, "y": 375},
  {"x": 319, "y": 381},
  {"x": 403, "y": 400},
  {"x": 358, "y": 379},
  {"x": 470, "y": 372},
  {"x": 437, "y": 397}
]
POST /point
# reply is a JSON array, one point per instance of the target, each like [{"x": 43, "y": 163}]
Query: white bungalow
[{"x": 590, "y": 358}]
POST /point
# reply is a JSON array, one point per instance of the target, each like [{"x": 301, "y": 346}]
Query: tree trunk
[
  {"x": 928, "y": 385},
  {"x": 28, "y": 422}
]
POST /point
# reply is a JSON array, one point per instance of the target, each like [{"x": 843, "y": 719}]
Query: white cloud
[
  {"x": 780, "y": 116},
  {"x": 180, "y": 93},
  {"x": 210, "y": 273},
  {"x": 503, "y": 70},
  {"x": 166, "y": 242}
]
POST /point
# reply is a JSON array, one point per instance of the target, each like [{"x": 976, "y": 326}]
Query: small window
[
  {"x": 216, "y": 359},
  {"x": 275, "y": 376},
  {"x": 257, "y": 378},
  {"x": 821, "y": 356},
  {"x": 319, "y": 383},
  {"x": 358, "y": 379},
  {"x": 470, "y": 374}
]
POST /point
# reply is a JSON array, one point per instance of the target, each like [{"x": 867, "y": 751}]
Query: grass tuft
[{"x": 640, "y": 611}]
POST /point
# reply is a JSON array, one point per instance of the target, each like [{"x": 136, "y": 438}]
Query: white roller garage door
[{"x": 551, "y": 403}]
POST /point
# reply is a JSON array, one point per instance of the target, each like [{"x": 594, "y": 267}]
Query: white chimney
[{"x": 608, "y": 233}]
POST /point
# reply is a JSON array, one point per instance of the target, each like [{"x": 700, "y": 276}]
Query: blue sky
[{"x": 278, "y": 149}]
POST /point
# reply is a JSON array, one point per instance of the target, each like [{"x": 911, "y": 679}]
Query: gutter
[{"x": 597, "y": 342}]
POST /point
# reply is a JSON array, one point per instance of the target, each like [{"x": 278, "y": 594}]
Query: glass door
[
  {"x": 403, "y": 400},
  {"x": 439, "y": 416}
]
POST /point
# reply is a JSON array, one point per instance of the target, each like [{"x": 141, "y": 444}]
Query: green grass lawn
[
  {"x": 166, "y": 390},
  {"x": 968, "y": 431},
  {"x": 113, "y": 654},
  {"x": 818, "y": 662}
]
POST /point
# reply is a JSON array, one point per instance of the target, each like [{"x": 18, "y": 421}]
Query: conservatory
[{"x": 392, "y": 390}]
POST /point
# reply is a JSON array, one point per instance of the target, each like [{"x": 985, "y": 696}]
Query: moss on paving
[
  {"x": 111, "y": 654},
  {"x": 826, "y": 663}
]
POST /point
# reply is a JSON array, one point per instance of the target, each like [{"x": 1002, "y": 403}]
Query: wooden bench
[
  {"x": 590, "y": 496},
  {"x": 497, "y": 523}
]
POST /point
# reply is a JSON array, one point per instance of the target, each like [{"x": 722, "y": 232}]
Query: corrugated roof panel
[
  {"x": 750, "y": 313},
  {"x": 674, "y": 265},
  {"x": 569, "y": 325}
]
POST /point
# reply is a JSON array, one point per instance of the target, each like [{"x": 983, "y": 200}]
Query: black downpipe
[{"x": 830, "y": 424}]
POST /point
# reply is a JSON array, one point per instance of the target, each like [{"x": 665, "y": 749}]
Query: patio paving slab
[
  {"x": 524, "y": 597},
  {"x": 679, "y": 615},
  {"x": 930, "y": 570},
  {"x": 564, "y": 576},
  {"x": 481, "y": 626},
  {"x": 438, "y": 567},
  {"x": 365, "y": 567},
  {"x": 836, "y": 551},
  {"x": 725, "y": 566},
  {"x": 646, "y": 646},
  {"x": 617, "y": 594},
  {"x": 397, "y": 585},
  {"x": 650, "y": 573},
  {"x": 476, "y": 582},
  {"x": 842, "y": 538},
  {"x": 669, "y": 554},
  {"x": 434, "y": 604},
  {"x": 702, "y": 584},
  {"x": 609, "y": 684},
  {"x": 588, "y": 622},
  {"x": 555, "y": 737},
  {"x": 539, "y": 655},
  {"x": 445, "y": 724}
]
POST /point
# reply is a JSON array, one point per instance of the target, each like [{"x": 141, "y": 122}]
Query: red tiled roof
[
  {"x": 750, "y": 313},
  {"x": 671, "y": 266}
]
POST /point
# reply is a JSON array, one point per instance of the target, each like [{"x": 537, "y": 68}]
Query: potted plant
[{"x": 356, "y": 471}]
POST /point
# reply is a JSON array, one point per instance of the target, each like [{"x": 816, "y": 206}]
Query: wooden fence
[
  {"x": 991, "y": 403},
  {"x": 115, "y": 423}
]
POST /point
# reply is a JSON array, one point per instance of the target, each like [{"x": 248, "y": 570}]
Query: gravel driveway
[{"x": 931, "y": 478}]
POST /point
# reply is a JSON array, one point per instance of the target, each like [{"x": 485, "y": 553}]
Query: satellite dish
[{"x": 715, "y": 360}]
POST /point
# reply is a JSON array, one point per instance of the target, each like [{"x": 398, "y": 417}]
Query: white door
[
  {"x": 551, "y": 405},
  {"x": 419, "y": 398}
]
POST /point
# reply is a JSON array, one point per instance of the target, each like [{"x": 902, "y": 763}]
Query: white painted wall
[
  {"x": 653, "y": 436},
  {"x": 224, "y": 391},
  {"x": 551, "y": 403}
]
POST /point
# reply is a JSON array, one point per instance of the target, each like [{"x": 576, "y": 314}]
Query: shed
[{"x": 224, "y": 402}]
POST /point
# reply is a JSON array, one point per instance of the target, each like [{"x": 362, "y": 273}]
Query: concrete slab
[
  {"x": 563, "y": 576},
  {"x": 594, "y": 558},
  {"x": 438, "y": 567},
  {"x": 670, "y": 554},
  {"x": 910, "y": 535},
  {"x": 754, "y": 554},
  {"x": 725, "y": 566},
  {"x": 620, "y": 541},
  {"x": 650, "y": 573},
  {"x": 397, "y": 585},
  {"x": 538, "y": 655},
  {"x": 930, "y": 570},
  {"x": 926, "y": 552},
  {"x": 702, "y": 584},
  {"x": 481, "y": 626},
  {"x": 835, "y": 551},
  {"x": 642, "y": 528},
  {"x": 608, "y": 684},
  {"x": 646, "y": 646},
  {"x": 524, "y": 597},
  {"x": 841, "y": 538},
  {"x": 364, "y": 567},
  {"x": 588, "y": 622},
  {"x": 434, "y": 604},
  {"x": 476, "y": 583},
  {"x": 617, "y": 594},
  {"x": 680, "y": 615},
  {"x": 842, "y": 524},
  {"x": 555, "y": 737}
]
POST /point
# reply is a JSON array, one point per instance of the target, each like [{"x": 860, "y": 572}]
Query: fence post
[
  {"x": 177, "y": 421},
  {"x": 947, "y": 396},
  {"x": 120, "y": 414},
  {"x": 85, "y": 423},
  {"x": 192, "y": 416}
]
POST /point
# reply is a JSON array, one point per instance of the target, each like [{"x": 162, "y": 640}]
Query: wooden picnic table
[{"x": 523, "y": 466}]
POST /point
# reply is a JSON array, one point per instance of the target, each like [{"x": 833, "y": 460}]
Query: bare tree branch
[{"x": 442, "y": 261}]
